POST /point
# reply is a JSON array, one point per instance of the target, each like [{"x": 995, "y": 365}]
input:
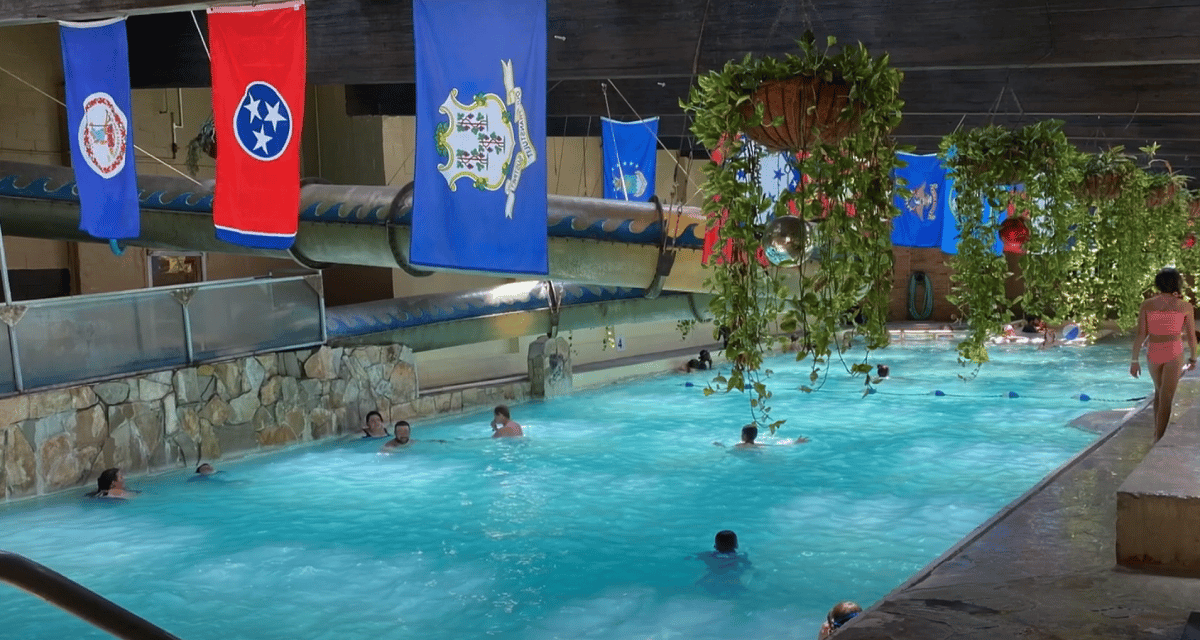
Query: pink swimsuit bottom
[{"x": 1164, "y": 324}]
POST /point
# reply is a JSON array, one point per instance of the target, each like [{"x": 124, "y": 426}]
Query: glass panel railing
[
  {"x": 265, "y": 315},
  {"x": 67, "y": 340},
  {"x": 75, "y": 339},
  {"x": 8, "y": 382}
]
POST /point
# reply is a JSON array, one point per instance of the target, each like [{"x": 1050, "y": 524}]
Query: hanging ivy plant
[
  {"x": 204, "y": 142},
  {"x": 1029, "y": 172},
  {"x": 839, "y": 138}
]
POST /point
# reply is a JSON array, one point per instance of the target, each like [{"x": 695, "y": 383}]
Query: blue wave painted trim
[
  {"x": 624, "y": 232},
  {"x": 373, "y": 317}
]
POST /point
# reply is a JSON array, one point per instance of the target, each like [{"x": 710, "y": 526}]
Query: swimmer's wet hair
[
  {"x": 726, "y": 541},
  {"x": 502, "y": 410},
  {"x": 374, "y": 413},
  {"x": 749, "y": 433}
]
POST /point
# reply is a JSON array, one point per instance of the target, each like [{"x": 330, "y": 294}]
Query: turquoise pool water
[{"x": 588, "y": 527}]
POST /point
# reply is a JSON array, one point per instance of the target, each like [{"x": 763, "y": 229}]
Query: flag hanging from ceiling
[
  {"x": 258, "y": 73},
  {"x": 630, "y": 158},
  {"x": 96, "y": 72},
  {"x": 923, "y": 211},
  {"x": 479, "y": 202},
  {"x": 771, "y": 173}
]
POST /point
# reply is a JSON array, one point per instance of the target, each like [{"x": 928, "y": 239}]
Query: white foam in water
[{"x": 587, "y": 528}]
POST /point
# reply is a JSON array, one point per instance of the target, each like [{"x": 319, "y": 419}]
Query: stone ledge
[{"x": 1158, "y": 505}]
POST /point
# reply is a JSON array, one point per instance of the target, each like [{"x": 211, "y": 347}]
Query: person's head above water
[
  {"x": 1168, "y": 280},
  {"x": 205, "y": 469},
  {"x": 882, "y": 370},
  {"x": 374, "y": 419},
  {"x": 403, "y": 431},
  {"x": 502, "y": 412},
  {"x": 725, "y": 542},
  {"x": 109, "y": 479},
  {"x": 840, "y": 614},
  {"x": 705, "y": 356},
  {"x": 749, "y": 433}
]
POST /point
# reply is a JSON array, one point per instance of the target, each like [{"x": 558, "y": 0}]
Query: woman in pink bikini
[{"x": 1162, "y": 320}]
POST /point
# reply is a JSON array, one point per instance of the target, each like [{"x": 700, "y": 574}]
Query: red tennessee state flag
[{"x": 258, "y": 70}]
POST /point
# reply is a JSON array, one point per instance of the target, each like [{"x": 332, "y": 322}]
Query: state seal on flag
[
  {"x": 484, "y": 142},
  {"x": 103, "y": 135},
  {"x": 262, "y": 122}
]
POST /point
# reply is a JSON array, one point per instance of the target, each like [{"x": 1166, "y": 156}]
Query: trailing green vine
[
  {"x": 986, "y": 164},
  {"x": 844, "y": 200}
]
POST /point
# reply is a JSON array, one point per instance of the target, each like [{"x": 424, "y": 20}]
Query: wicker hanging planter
[
  {"x": 1194, "y": 208},
  {"x": 205, "y": 141},
  {"x": 811, "y": 110},
  {"x": 1160, "y": 196},
  {"x": 1102, "y": 186}
]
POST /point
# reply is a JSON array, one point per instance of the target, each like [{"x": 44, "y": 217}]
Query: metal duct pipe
[
  {"x": 609, "y": 242},
  {"x": 511, "y": 310}
]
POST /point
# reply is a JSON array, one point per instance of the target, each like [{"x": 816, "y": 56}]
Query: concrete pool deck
[{"x": 1045, "y": 567}]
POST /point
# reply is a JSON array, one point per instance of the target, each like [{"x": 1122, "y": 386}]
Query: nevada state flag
[
  {"x": 258, "y": 69},
  {"x": 479, "y": 202},
  {"x": 96, "y": 70},
  {"x": 630, "y": 158}
]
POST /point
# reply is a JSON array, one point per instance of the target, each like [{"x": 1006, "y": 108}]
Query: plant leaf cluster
[{"x": 846, "y": 193}]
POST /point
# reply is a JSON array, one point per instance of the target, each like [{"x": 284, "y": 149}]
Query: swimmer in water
[
  {"x": 375, "y": 428},
  {"x": 725, "y": 565},
  {"x": 403, "y": 437},
  {"x": 111, "y": 485},
  {"x": 503, "y": 426}
]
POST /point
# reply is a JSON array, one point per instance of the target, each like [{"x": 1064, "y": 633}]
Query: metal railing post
[
  {"x": 18, "y": 380},
  {"x": 74, "y": 598},
  {"x": 184, "y": 297}
]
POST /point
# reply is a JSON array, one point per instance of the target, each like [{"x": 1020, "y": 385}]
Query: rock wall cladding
[{"x": 57, "y": 439}]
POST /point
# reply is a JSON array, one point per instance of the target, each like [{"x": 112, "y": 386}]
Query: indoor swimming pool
[{"x": 589, "y": 526}]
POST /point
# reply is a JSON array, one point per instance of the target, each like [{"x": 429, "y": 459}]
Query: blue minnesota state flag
[
  {"x": 924, "y": 212},
  {"x": 630, "y": 158},
  {"x": 480, "y": 196},
  {"x": 96, "y": 70}
]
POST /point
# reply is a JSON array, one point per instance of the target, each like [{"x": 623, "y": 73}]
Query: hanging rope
[
  {"x": 616, "y": 149},
  {"x": 657, "y": 139},
  {"x": 64, "y": 105}
]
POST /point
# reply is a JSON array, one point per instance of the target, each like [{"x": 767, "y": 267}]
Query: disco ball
[{"x": 784, "y": 241}]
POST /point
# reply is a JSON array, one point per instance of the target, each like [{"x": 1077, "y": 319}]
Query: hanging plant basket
[
  {"x": 812, "y": 110},
  {"x": 1161, "y": 195},
  {"x": 1194, "y": 208},
  {"x": 1102, "y": 186}
]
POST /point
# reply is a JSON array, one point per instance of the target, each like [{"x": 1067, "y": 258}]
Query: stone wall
[{"x": 63, "y": 438}]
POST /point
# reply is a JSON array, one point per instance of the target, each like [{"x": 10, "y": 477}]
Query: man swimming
[{"x": 402, "y": 438}]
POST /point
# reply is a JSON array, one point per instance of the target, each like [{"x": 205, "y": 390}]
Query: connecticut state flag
[
  {"x": 479, "y": 202},
  {"x": 630, "y": 158},
  {"x": 96, "y": 70},
  {"x": 258, "y": 70}
]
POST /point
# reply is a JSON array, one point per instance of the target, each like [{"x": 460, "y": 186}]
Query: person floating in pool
[
  {"x": 403, "y": 437},
  {"x": 1163, "y": 320},
  {"x": 840, "y": 614},
  {"x": 726, "y": 567},
  {"x": 375, "y": 428},
  {"x": 203, "y": 472},
  {"x": 111, "y": 485},
  {"x": 750, "y": 434},
  {"x": 703, "y": 363},
  {"x": 503, "y": 426}
]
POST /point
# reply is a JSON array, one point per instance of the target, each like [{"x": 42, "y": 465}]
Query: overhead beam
[{"x": 361, "y": 42}]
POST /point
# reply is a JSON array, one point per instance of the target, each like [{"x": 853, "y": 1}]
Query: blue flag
[
  {"x": 480, "y": 195},
  {"x": 924, "y": 211},
  {"x": 630, "y": 158},
  {"x": 96, "y": 69}
]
